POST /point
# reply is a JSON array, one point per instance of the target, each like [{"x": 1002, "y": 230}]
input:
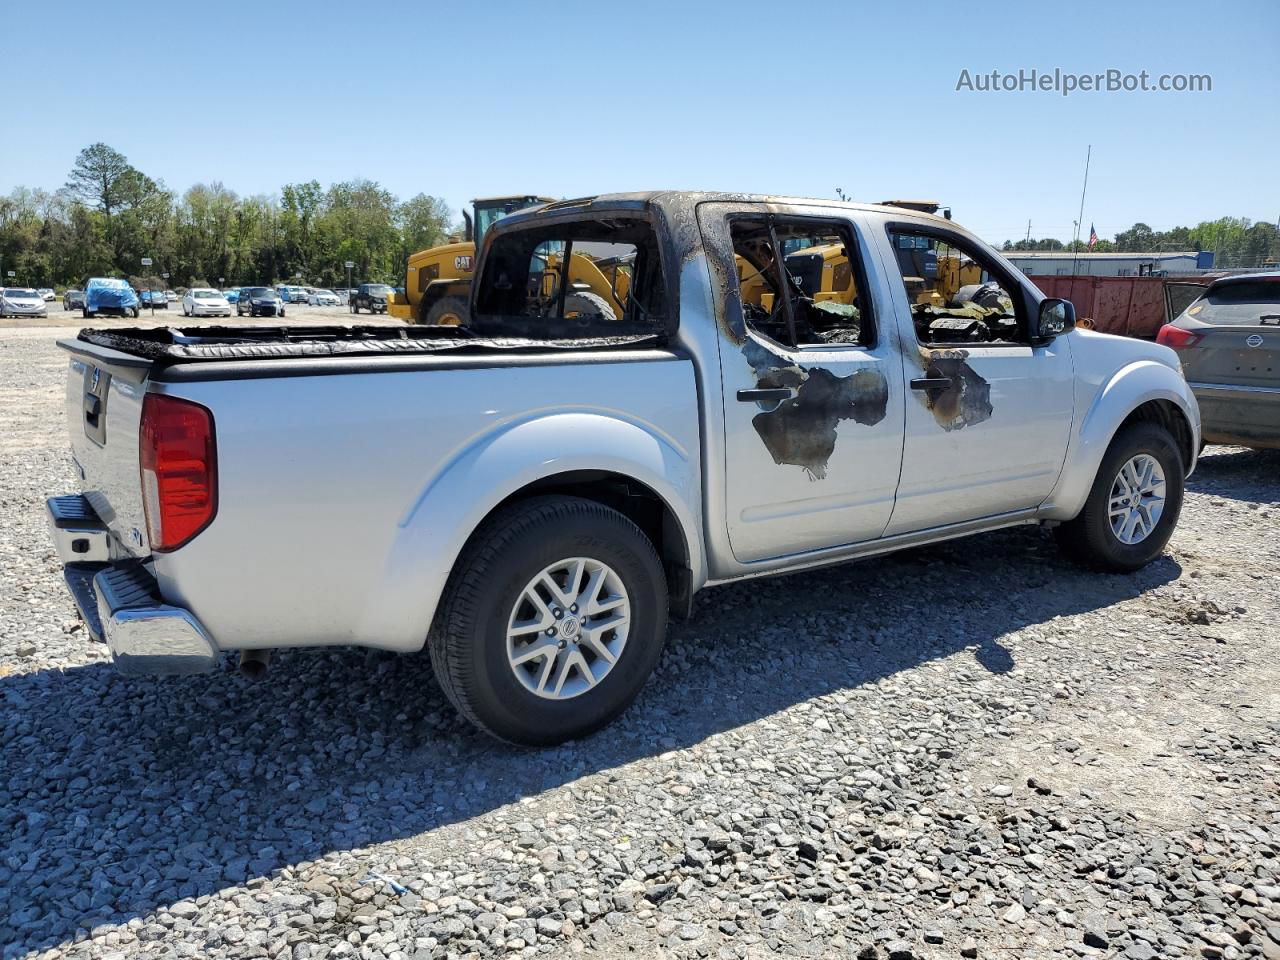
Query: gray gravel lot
[{"x": 972, "y": 750}]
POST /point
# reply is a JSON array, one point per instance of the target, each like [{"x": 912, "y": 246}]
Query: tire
[
  {"x": 469, "y": 644},
  {"x": 1090, "y": 538},
  {"x": 589, "y": 307},
  {"x": 85, "y": 314},
  {"x": 448, "y": 311},
  {"x": 354, "y": 308},
  {"x": 134, "y": 312}
]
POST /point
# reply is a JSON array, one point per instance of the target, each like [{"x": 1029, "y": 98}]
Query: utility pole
[{"x": 1028, "y": 231}]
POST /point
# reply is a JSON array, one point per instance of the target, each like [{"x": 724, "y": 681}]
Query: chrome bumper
[{"x": 121, "y": 604}]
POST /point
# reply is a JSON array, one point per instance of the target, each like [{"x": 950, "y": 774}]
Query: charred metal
[
  {"x": 801, "y": 431},
  {"x": 966, "y": 400}
]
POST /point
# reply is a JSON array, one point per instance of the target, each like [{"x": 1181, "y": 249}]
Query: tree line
[
  {"x": 1236, "y": 242},
  {"x": 110, "y": 215}
]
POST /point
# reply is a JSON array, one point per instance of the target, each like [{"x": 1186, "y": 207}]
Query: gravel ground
[{"x": 973, "y": 750}]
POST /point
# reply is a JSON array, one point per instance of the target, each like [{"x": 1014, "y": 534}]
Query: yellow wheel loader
[{"x": 438, "y": 280}]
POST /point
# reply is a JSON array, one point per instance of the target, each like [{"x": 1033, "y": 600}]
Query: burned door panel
[
  {"x": 813, "y": 434},
  {"x": 801, "y": 430}
]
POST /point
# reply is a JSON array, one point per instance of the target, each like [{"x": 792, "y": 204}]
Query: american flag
[{"x": 1093, "y": 237}]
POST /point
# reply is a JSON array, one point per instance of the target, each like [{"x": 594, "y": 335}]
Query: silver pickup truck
[{"x": 652, "y": 393}]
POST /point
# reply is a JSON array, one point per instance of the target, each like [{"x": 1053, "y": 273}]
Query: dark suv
[
  {"x": 371, "y": 296},
  {"x": 259, "y": 302}
]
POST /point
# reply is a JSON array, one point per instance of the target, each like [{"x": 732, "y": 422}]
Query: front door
[
  {"x": 812, "y": 390},
  {"x": 988, "y": 414}
]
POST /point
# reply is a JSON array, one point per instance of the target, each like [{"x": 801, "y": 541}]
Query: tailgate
[
  {"x": 1243, "y": 356},
  {"x": 104, "y": 396}
]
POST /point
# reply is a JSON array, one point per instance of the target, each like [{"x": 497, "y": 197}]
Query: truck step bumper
[
  {"x": 145, "y": 635},
  {"x": 121, "y": 604},
  {"x": 80, "y": 536}
]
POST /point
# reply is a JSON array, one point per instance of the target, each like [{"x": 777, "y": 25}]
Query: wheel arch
[
  {"x": 590, "y": 454},
  {"x": 1142, "y": 392},
  {"x": 639, "y": 503}
]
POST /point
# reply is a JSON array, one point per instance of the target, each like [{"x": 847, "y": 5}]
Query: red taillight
[
  {"x": 1177, "y": 338},
  {"x": 178, "y": 458}
]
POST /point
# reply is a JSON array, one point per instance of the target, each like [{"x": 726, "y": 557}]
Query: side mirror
[{"x": 1056, "y": 317}]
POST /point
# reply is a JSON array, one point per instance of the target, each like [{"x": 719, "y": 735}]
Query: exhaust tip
[{"x": 253, "y": 663}]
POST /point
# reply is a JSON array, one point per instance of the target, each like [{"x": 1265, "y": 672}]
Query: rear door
[{"x": 813, "y": 397}]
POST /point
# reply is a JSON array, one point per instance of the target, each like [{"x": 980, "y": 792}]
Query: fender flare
[
  {"x": 471, "y": 484},
  {"x": 1128, "y": 389}
]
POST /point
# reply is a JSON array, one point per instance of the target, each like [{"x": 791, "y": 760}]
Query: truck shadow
[
  {"x": 153, "y": 791},
  {"x": 1237, "y": 473}
]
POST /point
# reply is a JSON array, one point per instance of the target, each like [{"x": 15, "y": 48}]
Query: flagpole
[{"x": 1075, "y": 244}]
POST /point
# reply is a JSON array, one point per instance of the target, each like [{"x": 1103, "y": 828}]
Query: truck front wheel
[
  {"x": 1133, "y": 505},
  {"x": 552, "y": 621}
]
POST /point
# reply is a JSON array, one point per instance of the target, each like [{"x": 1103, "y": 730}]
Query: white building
[{"x": 1063, "y": 263}]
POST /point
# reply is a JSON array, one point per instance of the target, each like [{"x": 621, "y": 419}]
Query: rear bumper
[
  {"x": 1244, "y": 415},
  {"x": 120, "y": 602}
]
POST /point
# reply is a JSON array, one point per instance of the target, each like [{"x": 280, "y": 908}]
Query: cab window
[
  {"x": 955, "y": 295},
  {"x": 812, "y": 295}
]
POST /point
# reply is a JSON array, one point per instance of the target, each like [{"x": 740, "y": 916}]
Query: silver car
[
  {"x": 21, "y": 302},
  {"x": 1228, "y": 338}
]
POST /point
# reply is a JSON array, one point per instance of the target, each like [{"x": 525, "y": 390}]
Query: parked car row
[
  {"x": 288, "y": 293},
  {"x": 117, "y": 296}
]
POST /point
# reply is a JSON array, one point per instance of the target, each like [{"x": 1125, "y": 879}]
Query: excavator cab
[{"x": 489, "y": 211}]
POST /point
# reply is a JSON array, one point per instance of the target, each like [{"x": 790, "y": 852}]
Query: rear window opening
[
  {"x": 1247, "y": 303},
  {"x": 590, "y": 278}
]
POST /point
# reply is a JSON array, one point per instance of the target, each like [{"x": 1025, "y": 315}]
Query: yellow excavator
[
  {"x": 824, "y": 273},
  {"x": 437, "y": 287}
]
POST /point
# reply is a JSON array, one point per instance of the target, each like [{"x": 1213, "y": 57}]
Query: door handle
[
  {"x": 765, "y": 394},
  {"x": 931, "y": 383}
]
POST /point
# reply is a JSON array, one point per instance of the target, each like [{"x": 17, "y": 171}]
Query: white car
[
  {"x": 46, "y": 294},
  {"x": 322, "y": 298},
  {"x": 205, "y": 302},
  {"x": 21, "y": 302},
  {"x": 171, "y": 296}
]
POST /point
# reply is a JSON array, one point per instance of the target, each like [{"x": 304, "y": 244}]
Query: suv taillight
[
  {"x": 1176, "y": 337},
  {"x": 178, "y": 460}
]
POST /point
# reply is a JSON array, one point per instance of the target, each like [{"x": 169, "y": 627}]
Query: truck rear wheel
[
  {"x": 552, "y": 621},
  {"x": 1133, "y": 505}
]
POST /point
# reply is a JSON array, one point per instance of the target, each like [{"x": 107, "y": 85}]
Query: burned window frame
[
  {"x": 868, "y": 316},
  {"x": 641, "y": 232},
  {"x": 1024, "y": 304}
]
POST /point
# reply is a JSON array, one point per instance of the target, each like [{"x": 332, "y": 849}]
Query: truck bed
[{"x": 166, "y": 346}]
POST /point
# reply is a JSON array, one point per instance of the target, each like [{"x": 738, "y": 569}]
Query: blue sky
[{"x": 566, "y": 99}]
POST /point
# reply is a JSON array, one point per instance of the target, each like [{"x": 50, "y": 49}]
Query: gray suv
[{"x": 1228, "y": 339}]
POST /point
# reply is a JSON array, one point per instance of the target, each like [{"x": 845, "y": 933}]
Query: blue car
[
  {"x": 154, "y": 298},
  {"x": 109, "y": 295},
  {"x": 232, "y": 295}
]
